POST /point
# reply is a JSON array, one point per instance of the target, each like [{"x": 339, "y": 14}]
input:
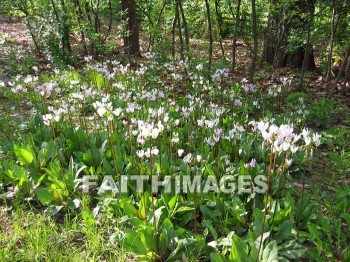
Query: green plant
[{"x": 321, "y": 112}]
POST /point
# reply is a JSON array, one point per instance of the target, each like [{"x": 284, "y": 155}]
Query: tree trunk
[
  {"x": 187, "y": 39},
  {"x": 173, "y": 30},
  {"x": 340, "y": 73},
  {"x": 347, "y": 77},
  {"x": 281, "y": 20},
  {"x": 235, "y": 37},
  {"x": 255, "y": 40},
  {"x": 331, "y": 44},
  {"x": 210, "y": 50},
  {"x": 180, "y": 32},
  {"x": 219, "y": 18},
  {"x": 131, "y": 32},
  {"x": 311, "y": 7}
]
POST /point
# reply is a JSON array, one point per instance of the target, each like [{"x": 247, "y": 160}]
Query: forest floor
[{"x": 17, "y": 56}]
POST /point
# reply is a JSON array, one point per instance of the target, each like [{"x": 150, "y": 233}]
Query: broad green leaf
[
  {"x": 24, "y": 156},
  {"x": 44, "y": 196},
  {"x": 284, "y": 230},
  {"x": 239, "y": 250},
  {"x": 291, "y": 250},
  {"x": 270, "y": 253},
  {"x": 217, "y": 257}
]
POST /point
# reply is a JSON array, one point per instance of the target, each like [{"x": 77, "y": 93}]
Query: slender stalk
[
  {"x": 278, "y": 191},
  {"x": 303, "y": 189},
  {"x": 266, "y": 200},
  {"x": 111, "y": 142}
]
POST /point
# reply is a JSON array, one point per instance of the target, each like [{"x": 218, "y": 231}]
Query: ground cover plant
[
  {"x": 169, "y": 120},
  {"x": 139, "y": 130}
]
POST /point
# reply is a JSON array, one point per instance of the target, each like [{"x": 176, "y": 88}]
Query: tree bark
[
  {"x": 334, "y": 26},
  {"x": 340, "y": 73},
  {"x": 219, "y": 19},
  {"x": 210, "y": 50},
  {"x": 347, "y": 78},
  {"x": 281, "y": 20},
  {"x": 311, "y": 8},
  {"x": 235, "y": 37},
  {"x": 173, "y": 30},
  {"x": 184, "y": 21},
  {"x": 131, "y": 32},
  {"x": 255, "y": 40}
]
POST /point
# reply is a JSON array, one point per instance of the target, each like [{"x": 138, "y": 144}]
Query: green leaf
[
  {"x": 217, "y": 257},
  {"x": 291, "y": 250},
  {"x": 24, "y": 156},
  {"x": 239, "y": 250},
  {"x": 284, "y": 230},
  {"x": 44, "y": 196},
  {"x": 270, "y": 253},
  {"x": 346, "y": 217},
  {"x": 147, "y": 238},
  {"x": 133, "y": 242}
]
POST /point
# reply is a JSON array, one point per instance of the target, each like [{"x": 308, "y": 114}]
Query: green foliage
[
  {"x": 92, "y": 123},
  {"x": 321, "y": 113}
]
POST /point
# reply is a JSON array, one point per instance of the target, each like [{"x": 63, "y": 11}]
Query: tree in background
[{"x": 131, "y": 35}]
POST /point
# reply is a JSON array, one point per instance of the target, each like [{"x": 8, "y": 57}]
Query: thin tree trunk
[
  {"x": 255, "y": 40},
  {"x": 180, "y": 33},
  {"x": 210, "y": 51},
  {"x": 234, "y": 44},
  {"x": 80, "y": 18},
  {"x": 333, "y": 31},
  {"x": 311, "y": 8},
  {"x": 187, "y": 39},
  {"x": 173, "y": 31},
  {"x": 110, "y": 20},
  {"x": 66, "y": 29},
  {"x": 341, "y": 69},
  {"x": 92, "y": 45},
  {"x": 131, "y": 39},
  {"x": 347, "y": 77},
  {"x": 219, "y": 18}
]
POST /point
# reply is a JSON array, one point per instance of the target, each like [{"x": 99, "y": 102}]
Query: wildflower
[
  {"x": 47, "y": 119},
  {"x": 188, "y": 158},
  {"x": 253, "y": 162},
  {"x": 140, "y": 153},
  {"x": 289, "y": 162},
  {"x": 316, "y": 139},
  {"x": 180, "y": 152},
  {"x": 155, "y": 151},
  {"x": 175, "y": 139},
  {"x": 199, "y": 67}
]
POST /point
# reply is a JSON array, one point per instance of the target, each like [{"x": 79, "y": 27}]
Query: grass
[{"x": 27, "y": 234}]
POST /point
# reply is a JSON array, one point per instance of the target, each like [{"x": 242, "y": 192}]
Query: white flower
[
  {"x": 140, "y": 153},
  {"x": 47, "y": 118},
  {"x": 118, "y": 111},
  {"x": 175, "y": 139},
  {"x": 289, "y": 162},
  {"x": 316, "y": 139},
  {"x": 155, "y": 151},
  {"x": 148, "y": 153},
  {"x": 199, "y": 67},
  {"x": 180, "y": 152},
  {"x": 199, "y": 158},
  {"x": 101, "y": 111},
  {"x": 253, "y": 162},
  {"x": 187, "y": 159}
]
